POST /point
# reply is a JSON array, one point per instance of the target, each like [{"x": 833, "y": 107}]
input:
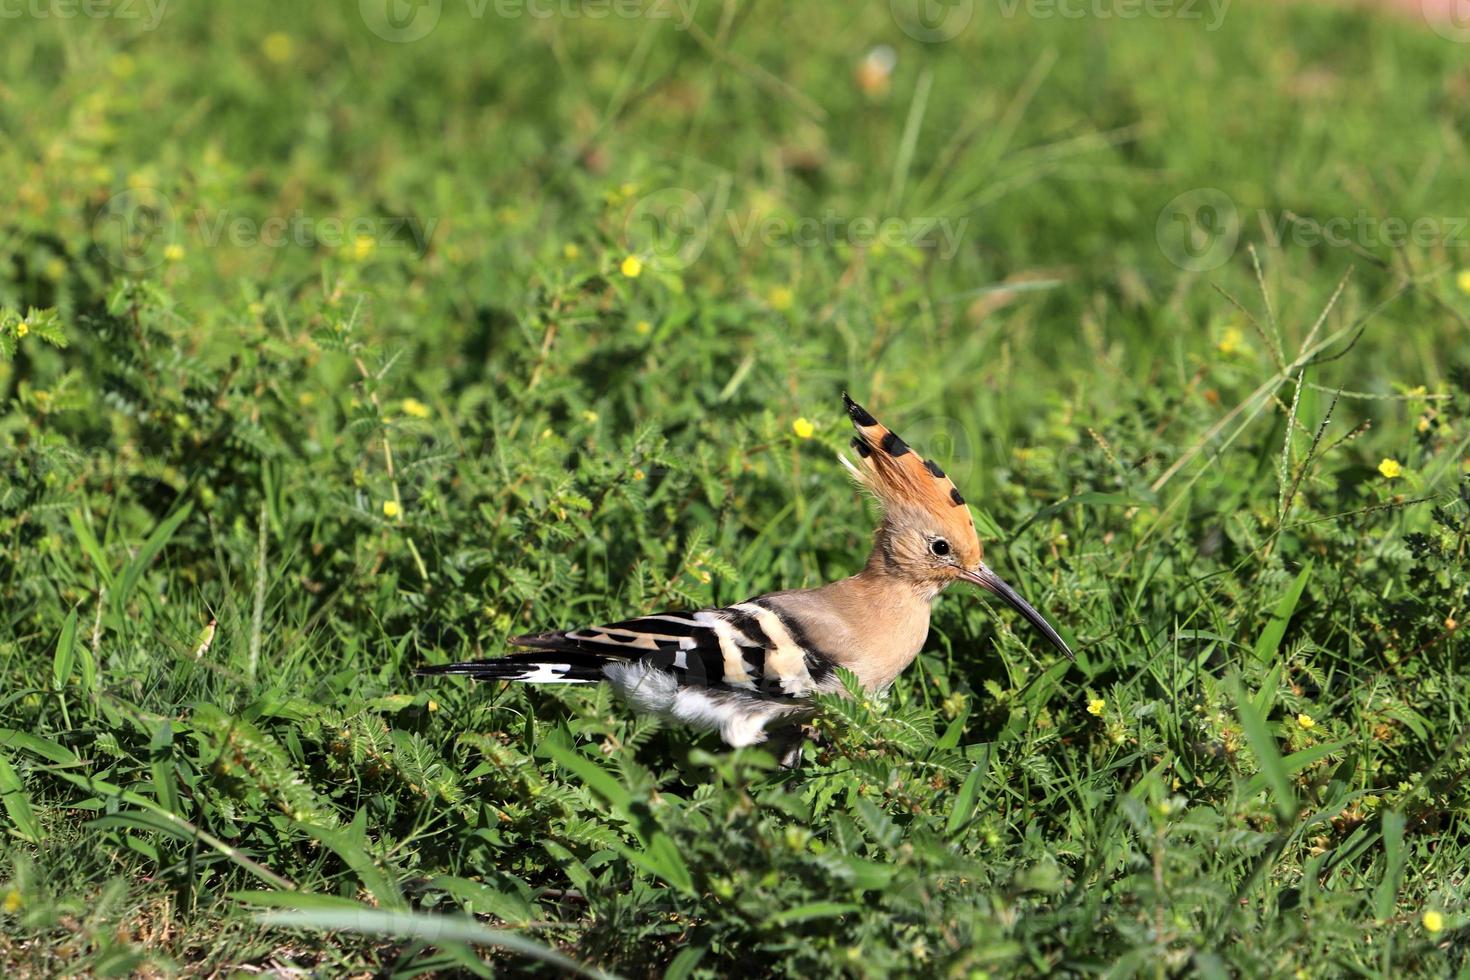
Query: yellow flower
[
  {"x": 363, "y": 246},
  {"x": 173, "y": 252},
  {"x": 590, "y": 416},
  {"x": 278, "y": 47},
  {"x": 433, "y": 705},
  {"x": 1463, "y": 280},
  {"x": 13, "y": 901},
  {"x": 1433, "y": 920},
  {"x": 632, "y": 267},
  {"x": 803, "y": 428},
  {"x": 570, "y": 251},
  {"x": 1306, "y": 721},
  {"x": 639, "y": 475},
  {"x": 122, "y": 66},
  {"x": 643, "y": 328},
  {"x": 1231, "y": 342},
  {"x": 1423, "y": 424},
  {"x": 1391, "y": 469},
  {"x": 1095, "y": 707},
  {"x": 780, "y": 298},
  {"x": 22, "y": 328},
  {"x": 414, "y": 407},
  {"x": 391, "y": 510}
]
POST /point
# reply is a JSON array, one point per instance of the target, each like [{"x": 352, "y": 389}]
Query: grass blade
[
  {"x": 684, "y": 964},
  {"x": 1385, "y": 897},
  {"x": 660, "y": 857},
  {"x": 598, "y": 779},
  {"x": 18, "y": 803},
  {"x": 1295, "y": 763},
  {"x": 45, "y": 748},
  {"x": 436, "y": 929},
  {"x": 296, "y": 900},
  {"x": 964, "y": 801},
  {"x": 65, "y": 656},
  {"x": 174, "y": 823},
  {"x": 88, "y": 541},
  {"x": 1270, "y": 638},
  {"x": 1263, "y": 743},
  {"x": 140, "y": 562},
  {"x": 356, "y": 857}
]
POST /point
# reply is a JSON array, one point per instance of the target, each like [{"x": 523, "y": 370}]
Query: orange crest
[{"x": 905, "y": 481}]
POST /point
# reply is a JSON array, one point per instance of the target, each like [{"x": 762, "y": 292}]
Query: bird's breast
[{"x": 873, "y": 631}]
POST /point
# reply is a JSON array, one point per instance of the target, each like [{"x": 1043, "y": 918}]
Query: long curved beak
[{"x": 992, "y": 582}]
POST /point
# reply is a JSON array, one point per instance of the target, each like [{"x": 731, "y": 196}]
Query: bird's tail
[{"x": 537, "y": 667}]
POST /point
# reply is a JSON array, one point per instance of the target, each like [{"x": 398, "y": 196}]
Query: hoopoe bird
[{"x": 748, "y": 670}]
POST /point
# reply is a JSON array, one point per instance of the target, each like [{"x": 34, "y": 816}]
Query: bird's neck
[
  {"x": 884, "y": 619},
  {"x": 885, "y": 573}
]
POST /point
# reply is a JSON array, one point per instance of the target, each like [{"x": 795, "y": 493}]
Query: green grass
[{"x": 1256, "y": 766}]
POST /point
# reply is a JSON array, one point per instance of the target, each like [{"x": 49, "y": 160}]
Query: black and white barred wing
[{"x": 735, "y": 669}]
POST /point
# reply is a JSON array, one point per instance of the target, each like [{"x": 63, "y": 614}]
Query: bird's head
[{"x": 928, "y": 535}]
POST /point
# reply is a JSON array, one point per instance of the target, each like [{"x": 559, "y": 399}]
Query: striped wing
[{"x": 752, "y": 647}]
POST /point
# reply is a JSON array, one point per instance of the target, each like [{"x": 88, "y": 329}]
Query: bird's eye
[{"x": 940, "y": 547}]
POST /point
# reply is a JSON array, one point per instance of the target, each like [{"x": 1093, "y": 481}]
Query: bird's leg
[{"x": 785, "y": 744}]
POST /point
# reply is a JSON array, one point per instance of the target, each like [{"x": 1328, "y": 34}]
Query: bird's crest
[{"x": 902, "y": 479}]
